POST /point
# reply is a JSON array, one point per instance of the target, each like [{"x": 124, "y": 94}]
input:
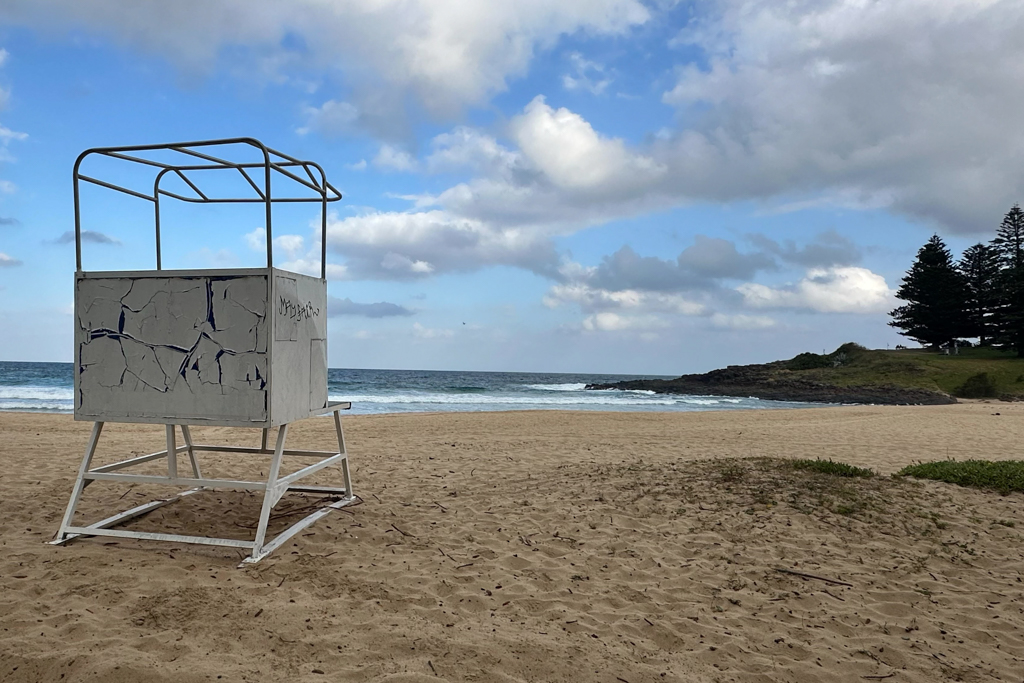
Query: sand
[{"x": 537, "y": 546}]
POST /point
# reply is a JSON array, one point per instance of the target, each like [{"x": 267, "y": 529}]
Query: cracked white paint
[{"x": 197, "y": 347}]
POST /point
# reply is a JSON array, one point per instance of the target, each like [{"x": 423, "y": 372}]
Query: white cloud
[
  {"x": 311, "y": 266},
  {"x": 467, "y": 148},
  {"x": 909, "y": 104},
  {"x": 331, "y": 118},
  {"x": 740, "y": 321},
  {"x": 6, "y": 135},
  {"x": 825, "y": 290},
  {"x": 566, "y": 148},
  {"x": 290, "y": 253},
  {"x": 291, "y": 245},
  {"x": 912, "y": 104},
  {"x": 257, "y": 239},
  {"x": 8, "y": 261},
  {"x": 421, "y": 332},
  {"x": 404, "y": 264},
  {"x": 587, "y": 75},
  {"x": 613, "y": 322},
  {"x": 590, "y": 298},
  {"x": 395, "y": 245},
  {"x": 394, "y": 159},
  {"x": 222, "y": 258},
  {"x": 446, "y": 54},
  {"x": 619, "y": 310},
  {"x": 649, "y": 292},
  {"x": 804, "y": 104}
]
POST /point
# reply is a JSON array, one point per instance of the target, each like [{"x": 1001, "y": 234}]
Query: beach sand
[{"x": 536, "y": 546}]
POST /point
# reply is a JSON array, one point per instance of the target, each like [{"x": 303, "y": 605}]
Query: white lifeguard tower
[{"x": 242, "y": 347}]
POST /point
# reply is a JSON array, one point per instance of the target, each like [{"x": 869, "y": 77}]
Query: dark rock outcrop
[{"x": 773, "y": 382}]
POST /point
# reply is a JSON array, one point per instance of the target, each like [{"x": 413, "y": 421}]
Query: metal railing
[{"x": 273, "y": 162}]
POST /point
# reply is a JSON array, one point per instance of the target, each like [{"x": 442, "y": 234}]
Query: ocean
[{"x": 48, "y": 387}]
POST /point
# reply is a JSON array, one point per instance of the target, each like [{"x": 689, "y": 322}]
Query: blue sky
[{"x": 602, "y": 186}]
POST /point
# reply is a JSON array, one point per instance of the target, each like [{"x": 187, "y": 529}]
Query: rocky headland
[{"x": 779, "y": 382}]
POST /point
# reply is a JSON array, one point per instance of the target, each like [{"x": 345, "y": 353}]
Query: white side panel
[
  {"x": 317, "y": 375},
  {"x": 181, "y": 348},
  {"x": 299, "y": 356}
]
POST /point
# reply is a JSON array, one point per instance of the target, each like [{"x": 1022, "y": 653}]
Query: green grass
[
  {"x": 1005, "y": 476},
  {"x": 839, "y": 469},
  {"x": 851, "y": 365}
]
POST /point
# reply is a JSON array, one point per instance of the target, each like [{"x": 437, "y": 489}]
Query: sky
[{"x": 606, "y": 186}]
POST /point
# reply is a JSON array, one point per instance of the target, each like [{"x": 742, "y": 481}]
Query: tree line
[{"x": 981, "y": 296}]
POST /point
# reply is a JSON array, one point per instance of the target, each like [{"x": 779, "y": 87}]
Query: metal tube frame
[
  {"x": 274, "y": 488},
  {"x": 273, "y": 161}
]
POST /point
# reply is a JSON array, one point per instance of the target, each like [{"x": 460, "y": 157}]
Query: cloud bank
[{"x": 443, "y": 54}]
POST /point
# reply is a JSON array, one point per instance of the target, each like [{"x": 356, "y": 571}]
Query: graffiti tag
[{"x": 295, "y": 311}]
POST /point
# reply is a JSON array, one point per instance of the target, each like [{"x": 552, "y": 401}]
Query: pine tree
[
  {"x": 1009, "y": 243},
  {"x": 936, "y": 294},
  {"x": 980, "y": 267}
]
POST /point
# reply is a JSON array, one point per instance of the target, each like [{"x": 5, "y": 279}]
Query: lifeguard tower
[{"x": 241, "y": 347}]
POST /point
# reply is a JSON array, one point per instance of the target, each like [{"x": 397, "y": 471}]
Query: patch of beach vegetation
[
  {"x": 838, "y": 469},
  {"x": 1004, "y": 476}
]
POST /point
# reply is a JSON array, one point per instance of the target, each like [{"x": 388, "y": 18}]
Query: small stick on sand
[
  {"x": 834, "y": 596},
  {"x": 401, "y": 532},
  {"x": 813, "y": 576},
  {"x": 878, "y": 678}
]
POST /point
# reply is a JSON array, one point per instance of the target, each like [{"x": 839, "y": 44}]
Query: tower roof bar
[{"x": 189, "y": 158}]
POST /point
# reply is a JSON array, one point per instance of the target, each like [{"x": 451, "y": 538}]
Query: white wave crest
[
  {"x": 29, "y": 392},
  {"x": 590, "y": 398},
  {"x": 558, "y": 387}
]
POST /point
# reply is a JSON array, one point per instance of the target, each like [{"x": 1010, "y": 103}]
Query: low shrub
[
  {"x": 1004, "y": 476},
  {"x": 809, "y": 361},
  {"x": 850, "y": 349},
  {"x": 977, "y": 386},
  {"x": 839, "y": 469}
]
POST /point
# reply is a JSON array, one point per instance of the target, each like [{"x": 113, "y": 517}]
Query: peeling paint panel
[
  {"x": 239, "y": 310},
  {"x": 101, "y": 304},
  {"x": 197, "y": 346},
  {"x": 153, "y": 348},
  {"x": 172, "y": 311},
  {"x": 143, "y": 364}
]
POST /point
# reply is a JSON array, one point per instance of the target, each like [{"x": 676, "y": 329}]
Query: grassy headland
[
  {"x": 957, "y": 375},
  {"x": 854, "y": 374}
]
